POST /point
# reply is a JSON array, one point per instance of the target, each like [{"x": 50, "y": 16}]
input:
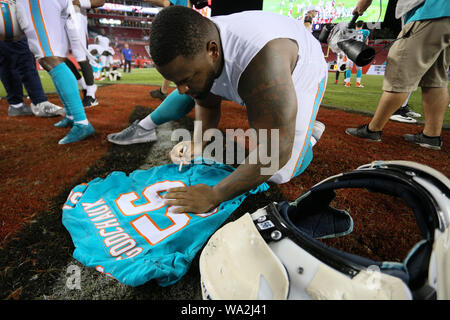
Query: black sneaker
[
  {"x": 434, "y": 143},
  {"x": 364, "y": 133},
  {"x": 89, "y": 101},
  {"x": 157, "y": 94}
]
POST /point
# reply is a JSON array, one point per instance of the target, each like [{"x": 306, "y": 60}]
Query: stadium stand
[{"x": 132, "y": 27}]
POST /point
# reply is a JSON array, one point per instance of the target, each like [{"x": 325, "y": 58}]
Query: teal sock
[
  {"x": 60, "y": 95},
  {"x": 358, "y": 74},
  {"x": 348, "y": 74},
  {"x": 174, "y": 107},
  {"x": 67, "y": 87}
]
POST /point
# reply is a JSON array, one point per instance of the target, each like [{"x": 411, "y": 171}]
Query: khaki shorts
[{"x": 421, "y": 58}]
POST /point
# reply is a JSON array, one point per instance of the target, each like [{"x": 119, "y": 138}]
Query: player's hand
[
  {"x": 199, "y": 198},
  {"x": 362, "y": 6},
  {"x": 182, "y": 152}
]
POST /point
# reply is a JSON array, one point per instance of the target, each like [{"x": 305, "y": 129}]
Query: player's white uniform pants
[
  {"x": 79, "y": 45},
  {"x": 310, "y": 79},
  {"x": 107, "y": 60},
  {"x": 44, "y": 25}
]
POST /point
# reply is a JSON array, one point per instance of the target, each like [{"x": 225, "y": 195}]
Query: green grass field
[
  {"x": 372, "y": 14},
  {"x": 355, "y": 99}
]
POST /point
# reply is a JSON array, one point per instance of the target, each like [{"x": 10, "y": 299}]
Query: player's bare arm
[
  {"x": 269, "y": 94},
  {"x": 207, "y": 112},
  {"x": 267, "y": 89},
  {"x": 362, "y": 6}
]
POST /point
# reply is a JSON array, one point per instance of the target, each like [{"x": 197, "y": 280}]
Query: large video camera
[{"x": 342, "y": 38}]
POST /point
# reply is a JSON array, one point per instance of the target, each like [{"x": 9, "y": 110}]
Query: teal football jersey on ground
[{"x": 120, "y": 225}]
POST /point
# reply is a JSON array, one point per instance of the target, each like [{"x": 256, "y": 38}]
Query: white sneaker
[
  {"x": 401, "y": 115},
  {"x": 318, "y": 130},
  {"x": 402, "y": 118},
  {"x": 411, "y": 113},
  {"x": 47, "y": 109}
]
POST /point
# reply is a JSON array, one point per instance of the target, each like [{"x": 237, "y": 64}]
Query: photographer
[{"x": 419, "y": 56}]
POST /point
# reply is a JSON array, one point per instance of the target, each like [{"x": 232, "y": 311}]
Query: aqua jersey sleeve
[
  {"x": 183, "y": 3},
  {"x": 120, "y": 226}
]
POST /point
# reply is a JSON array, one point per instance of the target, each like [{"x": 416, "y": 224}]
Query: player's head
[
  {"x": 126, "y": 45},
  {"x": 308, "y": 19},
  {"x": 359, "y": 24},
  {"x": 185, "y": 48}
]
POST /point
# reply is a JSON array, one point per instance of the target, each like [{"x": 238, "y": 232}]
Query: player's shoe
[
  {"x": 411, "y": 113},
  {"x": 318, "y": 130},
  {"x": 434, "y": 143},
  {"x": 47, "y": 109},
  {"x": 23, "y": 110},
  {"x": 133, "y": 134},
  {"x": 336, "y": 82},
  {"x": 78, "y": 132},
  {"x": 64, "y": 123},
  {"x": 347, "y": 84},
  {"x": 157, "y": 94},
  {"x": 364, "y": 133},
  {"x": 89, "y": 102},
  {"x": 401, "y": 116},
  {"x": 359, "y": 85}
]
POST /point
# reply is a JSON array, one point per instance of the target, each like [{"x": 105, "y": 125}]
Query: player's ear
[{"x": 212, "y": 48}]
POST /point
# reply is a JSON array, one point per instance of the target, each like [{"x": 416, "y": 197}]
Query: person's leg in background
[
  {"x": 405, "y": 114},
  {"x": 421, "y": 59},
  {"x": 48, "y": 40},
  {"x": 348, "y": 74},
  {"x": 162, "y": 92},
  {"x": 12, "y": 82},
  {"x": 129, "y": 65},
  {"x": 359, "y": 77},
  {"x": 40, "y": 106}
]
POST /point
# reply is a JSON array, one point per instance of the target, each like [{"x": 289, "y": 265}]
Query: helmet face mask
[{"x": 317, "y": 271}]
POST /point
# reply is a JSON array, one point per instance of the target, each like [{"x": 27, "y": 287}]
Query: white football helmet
[
  {"x": 10, "y": 29},
  {"x": 274, "y": 253}
]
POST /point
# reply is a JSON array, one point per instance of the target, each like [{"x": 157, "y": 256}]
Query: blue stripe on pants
[
  {"x": 40, "y": 28},
  {"x": 307, "y": 155},
  {"x": 7, "y": 19}
]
